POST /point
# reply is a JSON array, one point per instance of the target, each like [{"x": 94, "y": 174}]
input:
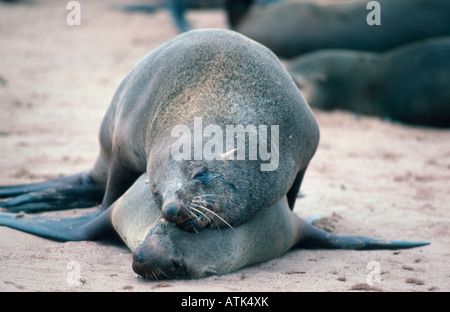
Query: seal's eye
[{"x": 202, "y": 175}]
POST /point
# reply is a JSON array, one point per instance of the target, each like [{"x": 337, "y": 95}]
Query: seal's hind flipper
[
  {"x": 85, "y": 227},
  {"x": 313, "y": 237},
  {"x": 75, "y": 191},
  {"x": 362, "y": 243}
]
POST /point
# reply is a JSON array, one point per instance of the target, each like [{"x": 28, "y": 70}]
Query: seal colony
[
  {"x": 290, "y": 29},
  {"x": 191, "y": 218},
  {"x": 409, "y": 84}
]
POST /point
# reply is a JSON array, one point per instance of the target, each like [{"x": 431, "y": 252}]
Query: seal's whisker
[
  {"x": 206, "y": 195},
  {"x": 156, "y": 274},
  {"x": 203, "y": 203},
  {"x": 150, "y": 275},
  {"x": 200, "y": 213},
  {"x": 214, "y": 200},
  {"x": 161, "y": 272},
  {"x": 210, "y": 221},
  {"x": 215, "y": 214},
  {"x": 208, "y": 198},
  {"x": 192, "y": 214}
]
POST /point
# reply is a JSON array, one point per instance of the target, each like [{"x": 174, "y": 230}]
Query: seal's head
[
  {"x": 331, "y": 79},
  {"x": 171, "y": 253},
  {"x": 197, "y": 194},
  {"x": 156, "y": 260},
  {"x": 311, "y": 74},
  {"x": 168, "y": 252}
]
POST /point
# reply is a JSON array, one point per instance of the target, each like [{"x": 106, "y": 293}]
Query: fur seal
[
  {"x": 222, "y": 79},
  {"x": 293, "y": 28},
  {"x": 408, "y": 84},
  {"x": 172, "y": 213},
  {"x": 168, "y": 252},
  {"x": 162, "y": 250}
]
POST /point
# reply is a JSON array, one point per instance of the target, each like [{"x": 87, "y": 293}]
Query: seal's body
[
  {"x": 294, "y": 28},
  {"x": 154, "y": 199},
  {"x": 221, "y": 79},
  {"x": 165, "y": 251},
  {"x": 409, "y": 84},
  {"x": 207, "y": 77},
  {"x": 161, "y": 250}
]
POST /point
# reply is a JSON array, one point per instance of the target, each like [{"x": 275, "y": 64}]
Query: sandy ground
[{"x": 371, "y": 178}]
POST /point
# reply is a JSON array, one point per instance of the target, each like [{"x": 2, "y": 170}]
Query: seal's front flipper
[
  {"x": 69, "y": 197},
  {"x": 89, "y": 226},
  {"x": 81, "y": 178},
  {"x": 74, "y": 191},
  {"x": 313, "y": 237}
]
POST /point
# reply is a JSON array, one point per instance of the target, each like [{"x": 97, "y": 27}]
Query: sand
[{"x": 368, "y": 177}]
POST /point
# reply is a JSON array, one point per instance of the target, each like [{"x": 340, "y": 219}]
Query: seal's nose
[
  {"x": 175, "y": 212},
  {"x": 138, "y": 257},
  {"x": 171, "y": 211}
]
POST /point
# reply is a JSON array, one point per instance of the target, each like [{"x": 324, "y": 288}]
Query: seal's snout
[
  {"x": 171, "y": 211},
  {"x": 175, "y": 212},
  {"x": 138, "y": 257},
  {"x": 152, "y": 261}
]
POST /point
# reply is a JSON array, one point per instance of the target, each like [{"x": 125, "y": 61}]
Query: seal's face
[
  {"x": 312, "y": 75},
  {"x": 197, "y": 194},
  {"x": 171, "y": 253},
  {"x": 153, "y": 261},
  {"x": 315, "y": 88}
]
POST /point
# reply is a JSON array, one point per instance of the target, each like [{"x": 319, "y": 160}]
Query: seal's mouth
[
  {"x": 200, "y": 212},
  {"x": 185, "y": 217},
  {"x": 191, "y": 225}
]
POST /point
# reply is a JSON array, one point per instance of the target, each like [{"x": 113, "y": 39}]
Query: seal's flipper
[
  {"x": 89, "y": 226},
  {"x": 313, "y": 237},
  {"x": 69, "y": 197},
  {"x": 74, "y": 191},
  {"x": 81, "y": 178},
  {"x": 294, "y": 191}
]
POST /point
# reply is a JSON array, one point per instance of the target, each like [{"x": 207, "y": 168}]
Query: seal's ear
[{"x": 229, "y": 155}]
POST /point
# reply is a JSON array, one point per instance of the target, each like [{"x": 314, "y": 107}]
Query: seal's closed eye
[{"x": 202, "y": 175}]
